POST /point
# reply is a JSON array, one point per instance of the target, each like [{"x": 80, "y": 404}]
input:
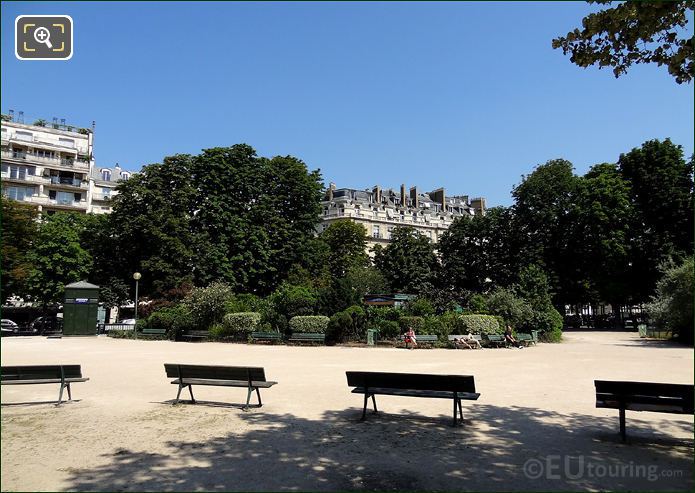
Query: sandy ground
[{"x": 534, "y": 427}]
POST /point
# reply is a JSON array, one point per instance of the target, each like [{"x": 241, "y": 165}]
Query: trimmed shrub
[
  {"x": 549, "y": 323},
  {"x": 515, "y": 311},
  {"x": 309, "y": 324},
  {"x": 388, "y": 329},
  {"x": 242, "y": 323},
  {"x": 480, "y": 324},
  {"x": 175, "y": 320},
  {"x": 339, "y": 327},
  {"x": 208, "y": 305},
  {"x": 217, "y": 332}
]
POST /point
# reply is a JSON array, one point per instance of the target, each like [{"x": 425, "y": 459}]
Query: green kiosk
[{"x": 80, "y": 309}]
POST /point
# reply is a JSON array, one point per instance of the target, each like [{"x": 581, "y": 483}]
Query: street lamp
[{"x": 137, "y": 277}]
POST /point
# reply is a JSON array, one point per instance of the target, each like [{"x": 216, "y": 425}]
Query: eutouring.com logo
[{"x": 578, "y": 467}]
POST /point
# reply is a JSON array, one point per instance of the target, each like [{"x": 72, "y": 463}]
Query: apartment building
[
  {"x": 46, "y": 164},
  {"x": 102, "y": 187},
  {"x": 381, "y": 211}
]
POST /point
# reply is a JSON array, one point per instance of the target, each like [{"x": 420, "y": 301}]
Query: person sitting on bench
[
  {"x": 468, "y": 341},
  {"x": 409, "y": 338},
  {"x": 508, "y": 337}
]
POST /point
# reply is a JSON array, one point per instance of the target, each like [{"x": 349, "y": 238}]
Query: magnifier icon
[{"x": 43, "y": 35}]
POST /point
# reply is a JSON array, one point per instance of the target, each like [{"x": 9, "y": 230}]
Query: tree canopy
[{"x": 634, "y": 32}]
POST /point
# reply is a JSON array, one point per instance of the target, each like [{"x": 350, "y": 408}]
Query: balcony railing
[
  {"x": 102, "y": 196},
  {"x": 6, "y": 175},
  {"x": 73, "y": 182},
  {"x": 59, "y": 161}
]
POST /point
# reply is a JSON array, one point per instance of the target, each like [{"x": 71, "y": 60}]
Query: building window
[
  {"x": 106, "y": 174},
  {"x": 66, "y": 142},
  {"x": 341, "y": 211},
  {"x": 19, "y": 172},
  {"x": 125, "y": 176},
  {"x": 44, "y": 154},
  {"x": 106, "y": 191},
  {"x": 375, "y": 232},
  {"x": 27, "y": 136},
  {"x": 18, "y": 193},
  {"x": 389, "y": 233}
]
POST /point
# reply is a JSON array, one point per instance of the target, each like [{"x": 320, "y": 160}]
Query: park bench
[
  {"x": 454, "y": 387},
  {"x": 266, "y": 336},
  {"x": 495, "y": 340},
  {"x": 472, "y": 342},
  {"x": 195, "y": 334},
  {"x": 643, "y": 396},
  {"x": 422, "y": 339},
  {"x": 43, "y": 374},
  {"x": 153, "y": 332},
  {"x": 525, "y": 339},
  {"x": 252, "y": 378},
  {"x": 307, "y": 337}
]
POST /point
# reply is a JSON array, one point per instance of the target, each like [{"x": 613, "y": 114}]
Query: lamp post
[{"x": 137, "y": 277}]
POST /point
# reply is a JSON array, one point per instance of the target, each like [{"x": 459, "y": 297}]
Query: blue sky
[{"x": 468, "y": 96}]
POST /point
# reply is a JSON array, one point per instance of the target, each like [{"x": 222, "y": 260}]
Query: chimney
[
  {"x": 329, "y": 192},
  {"x": 403, "y": 204},
  {"x": 478, "y": 206},
  {"x": 414, "y": 197},
  {"x": 376, "y": 194},
  {"x": 439, "y": 197}
]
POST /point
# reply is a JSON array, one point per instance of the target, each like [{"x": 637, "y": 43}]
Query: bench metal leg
[
  {"x": 364, "y": 410},
  {"x": 190, "y": 391},
  {"x": 460, "y": 410},
  {"x": 622, "y": 424},
  {"x": 455, "y": 410},
  {"x": 178, "y": 394},
  {"x": 258, "y": 393},
  {"x": 248, "y": 399},
  {"x": 374, "y": 403},
  {"x": 69, "y": 393},
  {"x": 60, "y": 395}
]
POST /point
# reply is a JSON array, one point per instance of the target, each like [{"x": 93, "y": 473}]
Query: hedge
[
  {"x": 241, "y": 323},
  {"x": 480, "y": 324},
  {"x": 309, "y": 324}
]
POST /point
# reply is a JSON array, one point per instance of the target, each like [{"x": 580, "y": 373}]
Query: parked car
[
  {"x": 46, "y": 325},
  {"x": 9, "y": 327}
]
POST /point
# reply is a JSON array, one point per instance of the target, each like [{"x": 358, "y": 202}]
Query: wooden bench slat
[
  {"x": 225, "y": 383},
  {"x": 435, "y": 394},
  {"x": 38, "y": 382},
  {"x": 64, "y": 375}
]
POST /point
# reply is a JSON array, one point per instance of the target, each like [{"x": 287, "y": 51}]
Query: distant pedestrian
[{"x": 410, "y": 338}]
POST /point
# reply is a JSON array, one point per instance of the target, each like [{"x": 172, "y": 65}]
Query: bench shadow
[
  {"x": 401, "y": 450},
  {"x": 37, "y": 403},
  {"x": 198, "y": 402}
]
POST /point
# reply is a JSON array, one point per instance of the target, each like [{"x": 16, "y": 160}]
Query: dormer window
[
  {"x": 125, "y": 175},
  {"x": 106, "y": 174}
]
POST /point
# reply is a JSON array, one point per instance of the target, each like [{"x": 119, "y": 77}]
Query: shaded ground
[{"x": 535, "y": 426}]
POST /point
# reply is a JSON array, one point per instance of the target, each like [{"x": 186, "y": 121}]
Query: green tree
[
  {"x": 634, "y": 32},
  {"x": 661, "y": 192},
  {"x": 19, "y": 230},
  {"x": 149, "y": 229},
  {"x": 347, "y": 243},
  {"x": 408, "y": 263},
  {"x": 57, "y": 257},
  {"x": 114, "y": 293},
  {"x": 480, "y": 252},
  {"x": 543, "y": 223},
  {"x": 600, "y": 227},
  {"x": 253, "y": 216},
  {"x": 672, "y": 305}
]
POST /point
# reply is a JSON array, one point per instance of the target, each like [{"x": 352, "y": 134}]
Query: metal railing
[
  {"x": 61, "y": 161},
  {"x": 73, "y": 182}
]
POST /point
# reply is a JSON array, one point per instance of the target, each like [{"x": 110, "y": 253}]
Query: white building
[
  {"x": 102, "y": 187},
  {"x": 46, "y": 164},
  {"x": 381, "y": 211},
  {"x": 51, "y": 165}
]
